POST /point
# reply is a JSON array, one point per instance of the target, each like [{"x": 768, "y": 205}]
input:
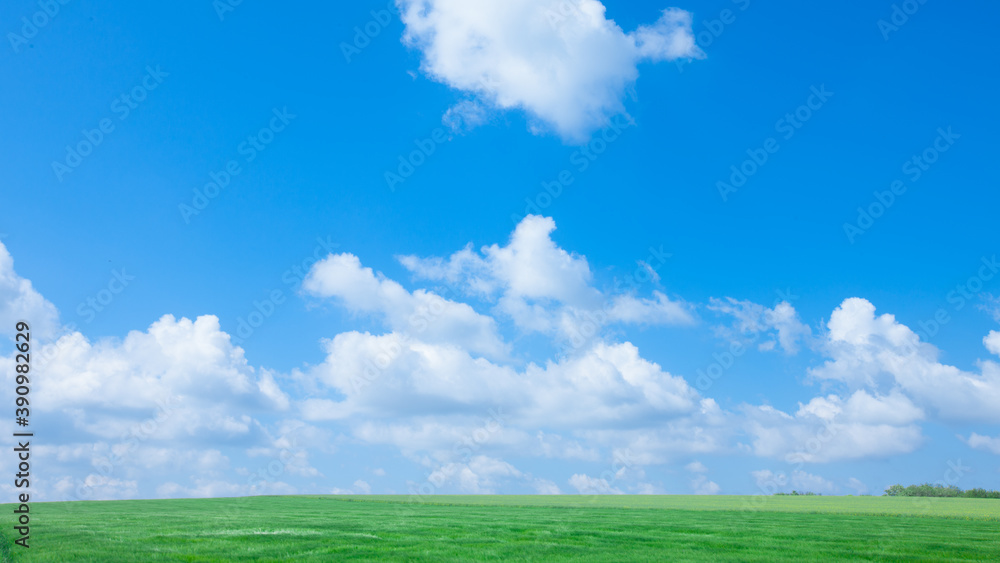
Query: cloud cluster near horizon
[{"x": 176, "y": 408}]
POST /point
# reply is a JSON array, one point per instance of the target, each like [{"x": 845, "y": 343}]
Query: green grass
[
  {"x": 978, "y": 509},
  {"x": 526, "y": 528}
]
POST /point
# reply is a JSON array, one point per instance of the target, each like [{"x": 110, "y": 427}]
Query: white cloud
[
  {"x": 384, "y": 377},
  {"x": 177, "y": 409},
  {"x": 768, "y": 481},
  {"x": 19, "y": 301},
  {"x": 465, "y": 116},
  {"x": 879, "y": 352},
  {"x": 130, "y": 410},
  {"x": 359, "y": 488},
  {"x": 587, "y": 485},
  {"x": 980, "y": 442},
  {"x": 482, "y": 475},
  {"x": 532, "y": 266},
  {"x": 668, "y": 39},
  {"x": 546, "y": 487},
  {"x": 190, "y": 363},
  {"x": 417, "y": 393},
  {"x": 204, "y": 488},
  {"x": 807, "y": 482},
  {"x": 703, "y": 430},
  {"x": 857, "y": 485},
  {"x": 391, "y": 376},
  {"x": 991, "y": 304},
  {"x": 561, "y": 61},
  {"x": 781, "y": 323},
  {"x": 421, "y": 313},
  {"x": 696, "y": 467},
  {"x": 100, "y": 487},
  {"x": 660, "y": 310},
  {"x": 831, "y": 428},
  {"x": 543, "y": 288},
  {"x": 555, "y": 446},
  {"x": 702, "y": 486},
  {"x": 992, "y": 342},
  {"x": 648, "y": 489}
]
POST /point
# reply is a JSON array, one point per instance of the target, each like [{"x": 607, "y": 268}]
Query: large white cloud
[
  {"x": 19, "y": 301},
  {"x": 879, "y": 352},
  {"x": 387, "y": 377},
  {"x": 561, "y": 61},
  {"x": 120, "y": 414},
  {"x": 193, "y": 361}
]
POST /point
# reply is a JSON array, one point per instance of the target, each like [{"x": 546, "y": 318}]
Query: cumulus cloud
[
  {"x": 879, "y": 352},
  {"x": 19, "y": 301},
  {"x": 128, "y": 410},
  {"x": 530, "y": 266},
  {"x": 563, "y": 62},
  {"x": 192, "y": 361},
  {"x": 544, "y": 288},
  {"x": 831, "y": 428},
  {"x": 696, "y": 467},
  {"x": 700, "y": 483},
  {"x": 992, "y": 342},
  {"x": 420, "y": 313},
  {"x": 383, "y": 377},
  {"x": 702, "y": 486}
]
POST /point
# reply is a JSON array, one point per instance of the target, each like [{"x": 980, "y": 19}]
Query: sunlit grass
[{"x": 494, "y": 528}]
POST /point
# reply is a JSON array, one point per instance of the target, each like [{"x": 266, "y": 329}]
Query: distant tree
[{"x": 894, "y": 491}]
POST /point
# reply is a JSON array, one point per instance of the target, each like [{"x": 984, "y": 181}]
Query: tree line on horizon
[{"x": 929, "y": 490}]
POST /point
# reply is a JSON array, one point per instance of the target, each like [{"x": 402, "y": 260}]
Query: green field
[{"x": 524, "y": 528}]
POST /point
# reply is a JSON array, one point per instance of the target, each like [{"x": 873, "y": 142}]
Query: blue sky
[{"x": 640, "y": 111}]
